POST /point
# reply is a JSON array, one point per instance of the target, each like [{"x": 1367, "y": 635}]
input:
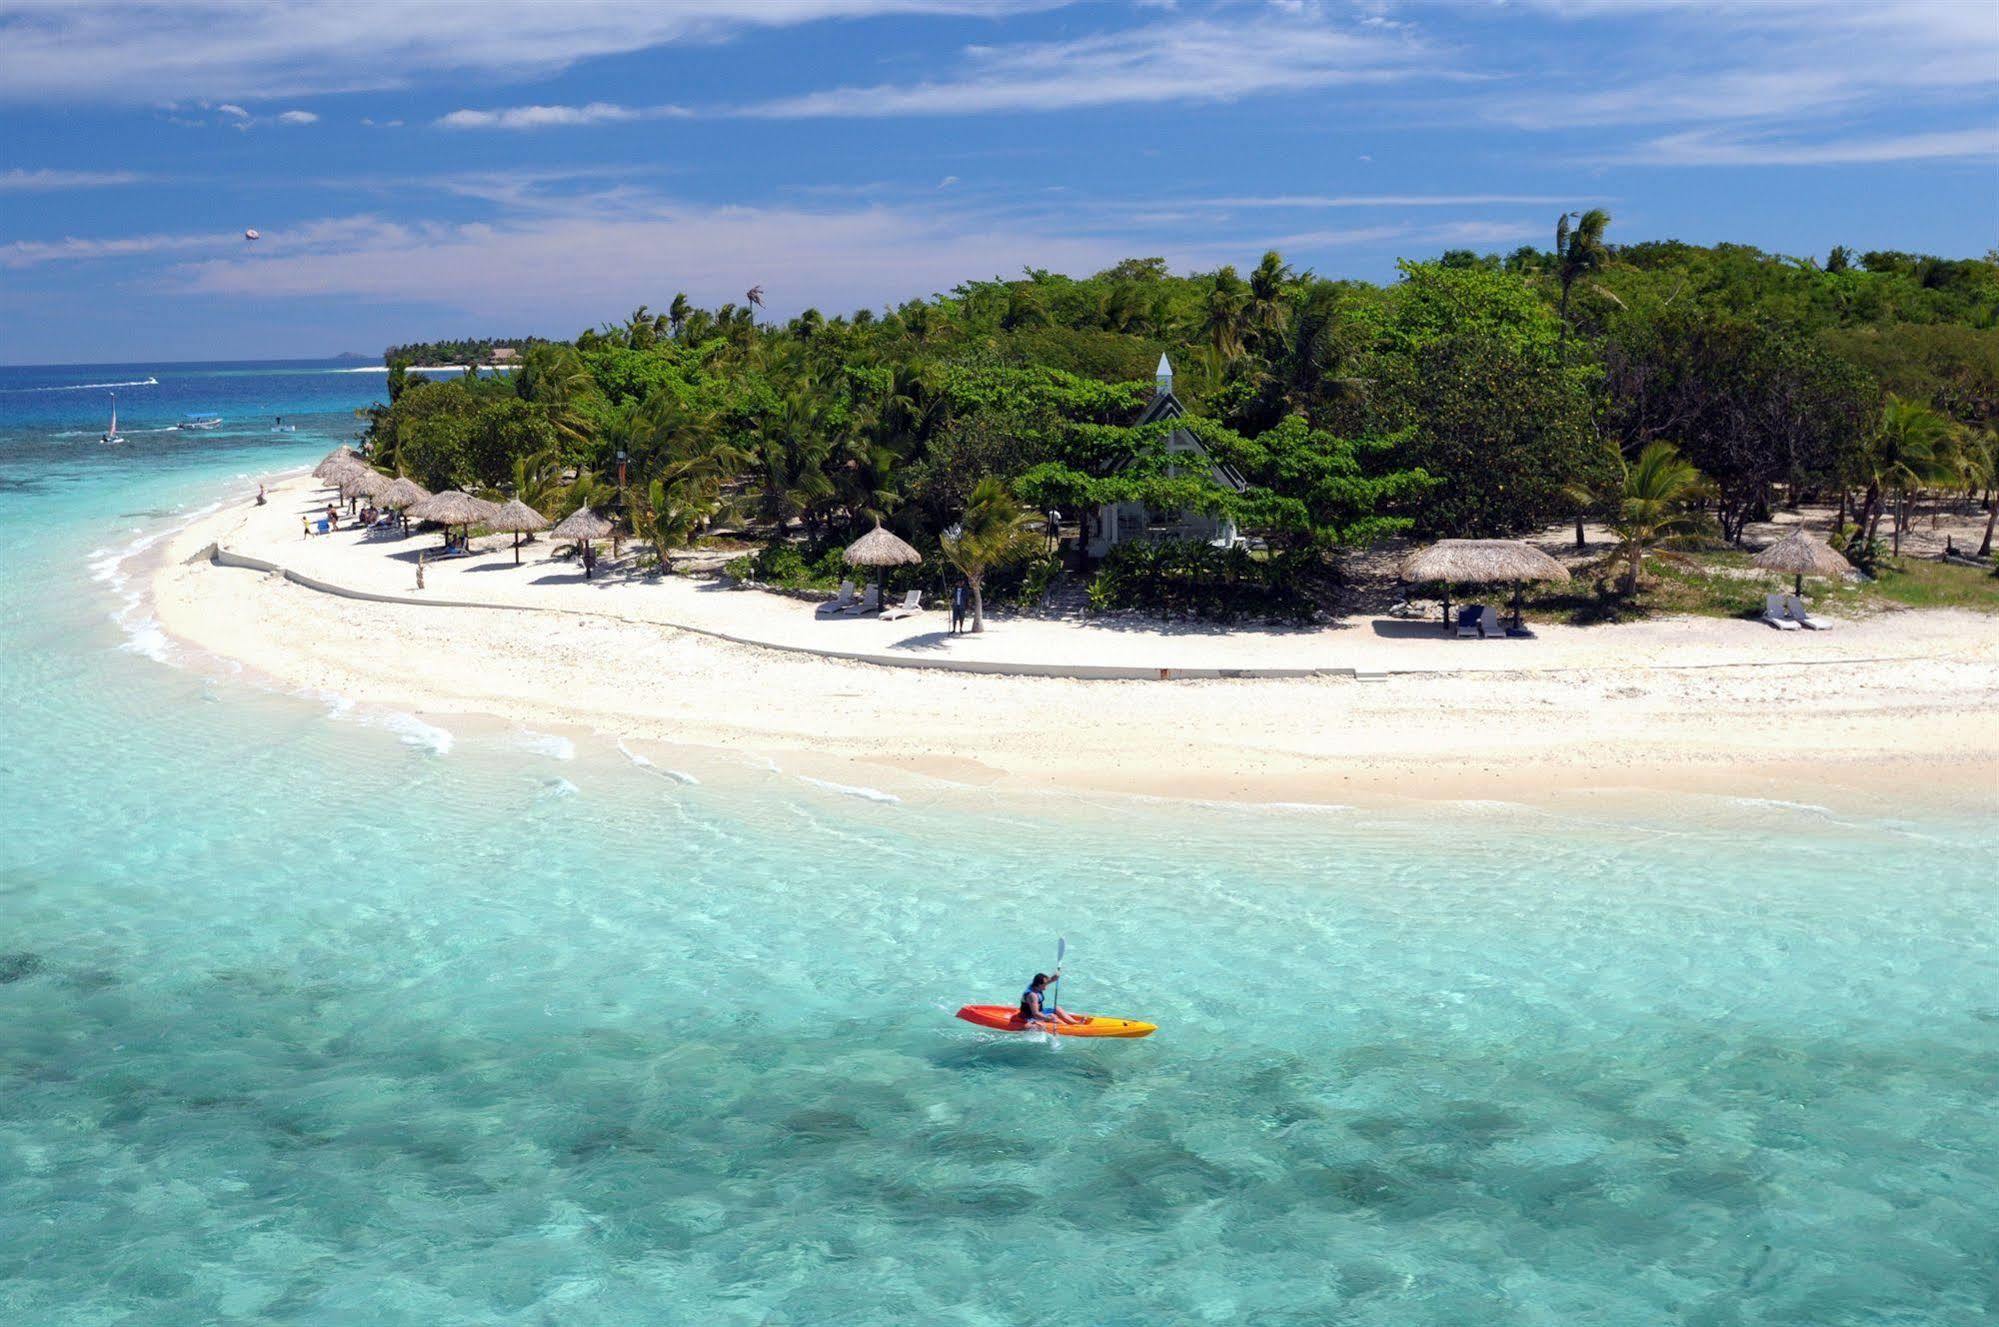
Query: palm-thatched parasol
[
  {"x": 1482, "y": 562},
  {"x": 402, "y": 493},
  {"x": 362, "y": 482},
  {"x": 450, "y": 508},
  {"x": 517, "y": 518},
  {"x": 338, "y": 458},
  {"x": 583, "y": 525},
  {"x": 880, "y": 549},
  {"x": 1801, "y": 555}
]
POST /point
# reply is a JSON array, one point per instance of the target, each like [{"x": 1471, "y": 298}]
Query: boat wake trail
[{"x": 85, "y": 386}]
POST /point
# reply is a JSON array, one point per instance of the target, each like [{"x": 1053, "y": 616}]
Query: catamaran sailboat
[{"x": 111, "y": 434}]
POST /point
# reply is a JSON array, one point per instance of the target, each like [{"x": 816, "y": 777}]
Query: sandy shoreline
[{"x": 1689, "y": 704}]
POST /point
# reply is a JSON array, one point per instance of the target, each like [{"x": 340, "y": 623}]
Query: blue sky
[{"x": 422, "y": 170}]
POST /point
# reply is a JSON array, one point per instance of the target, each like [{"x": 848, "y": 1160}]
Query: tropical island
[{"x": 1273, "y": 480}]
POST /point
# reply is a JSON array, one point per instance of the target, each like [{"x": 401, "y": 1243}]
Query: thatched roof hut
[
  {"x": 1801, "y": 555},
  {"x": 879, "y": 548},
  {"x": 517, "y": 518},
  {"x": 402, "y": 493},
  {"x": 1481, "y": 562}
]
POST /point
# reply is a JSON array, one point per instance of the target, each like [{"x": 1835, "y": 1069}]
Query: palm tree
[
  {"x": 1267, "y": 285},
  {"x": 1652, "y": 506},
  {"x": 1578, "y": 252},
  {"x": 1225, "y": 316},
  {"x": 1910, "y": 451},
  {"x": 995, "y": 531},
  {"x": 677, "y": 311}
]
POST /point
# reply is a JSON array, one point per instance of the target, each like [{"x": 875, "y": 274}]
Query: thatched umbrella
[
  {"x": 1482, "y": 562},
  {"x": 517, "y": 518},
  {"x": 1801, "y": 555},
  {"x": 400, "y": 496},
  {"x": 402, "y": 493},
  {"x": 880, "y": 549},
  {"x": 583, "y": 525},
  {"x": 450, "y": 508},
  {"x": 363, "y": 483},
  {"x": 338, "y": 458}
]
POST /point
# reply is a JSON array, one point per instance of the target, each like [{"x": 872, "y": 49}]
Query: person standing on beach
[
  {"x": 260, "y": 495},
  {"x": 958, "y": 605},
  {"x": 305, "y": 527}
]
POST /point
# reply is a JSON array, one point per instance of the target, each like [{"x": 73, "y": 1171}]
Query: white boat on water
[
  {"x": 111, "y": 434},
  {"x": 191, "y": 422}
]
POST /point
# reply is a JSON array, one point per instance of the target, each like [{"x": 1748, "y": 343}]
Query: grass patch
[{"x": 1723, "y": 584}]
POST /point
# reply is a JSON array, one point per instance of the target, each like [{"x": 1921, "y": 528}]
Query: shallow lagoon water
[{"x": 312, "y": 1014}]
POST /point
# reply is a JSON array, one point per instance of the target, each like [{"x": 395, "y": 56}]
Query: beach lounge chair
[
  {"x": 840, "y": 602},
  {"x": 912, "y": 604},
  {"x": 870, "y": 600},
  {"x": 1802, "y": 616},
  {"x": 1468, "y": 620},
  {"x": 1776, "y": 614},
  {"x": 1488, "y": 623}
]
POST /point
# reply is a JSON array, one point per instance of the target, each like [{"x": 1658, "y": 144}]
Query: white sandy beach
[{"x": 1677, "y": 703}]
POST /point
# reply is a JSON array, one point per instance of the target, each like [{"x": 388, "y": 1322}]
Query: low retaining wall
[{"x": 222, "y": 557}]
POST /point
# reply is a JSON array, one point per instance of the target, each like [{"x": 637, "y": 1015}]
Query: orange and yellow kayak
[{"x": 1006, "y": 1018}]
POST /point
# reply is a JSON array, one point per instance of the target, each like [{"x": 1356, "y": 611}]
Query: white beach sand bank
[{"x": 1680, "y": 703}]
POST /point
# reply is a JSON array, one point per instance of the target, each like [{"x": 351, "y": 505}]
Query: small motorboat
[
  {"x": 199, "y": 422},
  {"x": 279, "y": 426},
  {"x": 111, "y": 434}
]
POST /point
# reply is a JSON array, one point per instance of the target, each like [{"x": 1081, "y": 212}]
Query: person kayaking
[{"x": 1035, "y": 1006}]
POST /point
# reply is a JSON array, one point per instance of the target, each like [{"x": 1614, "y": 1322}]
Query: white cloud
[
  {"x": 1700, "y": 148},
  {"x": 298, "y": 117},
  {"x": 829, "y": 258},
  {"x": 117, "y": 51},
  {"x": 1313, "y": 201},
  {"x": 35, "y": 253},
  {"x": 1173, "y": 61},
  {"x": 550, "y": 117},
  {"x": 233, "y": 111},
  {"x": 59, "y": 181}
]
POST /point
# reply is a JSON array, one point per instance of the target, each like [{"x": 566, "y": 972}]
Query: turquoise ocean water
[{"x": 314, "y": 1015}]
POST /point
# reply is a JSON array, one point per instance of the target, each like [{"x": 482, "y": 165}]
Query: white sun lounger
[
  {"x": 1776, "y": 614},
  {"x": 1468, "y": 620},
  {"x": 1489, "y": 625},
  {"x": 1802, "y": 616},
  {"x": 912, "y": 604},
  {"x": 841, "y": 602},
  {"x": 870, "y": 600}
]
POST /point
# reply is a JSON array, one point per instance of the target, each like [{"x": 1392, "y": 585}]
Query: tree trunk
[
  {"x": 1901, "y": 519},
  {"x": 1631, "y": 578},
  {"x": 1985, "y": 548},
  {"x": 978, "y": 601},
  {"x": 1864, "y": 521},
  {"x": 1580, "y": 542}
]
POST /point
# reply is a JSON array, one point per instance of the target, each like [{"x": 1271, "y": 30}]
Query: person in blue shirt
[{"x": 1036, "y": 1005}]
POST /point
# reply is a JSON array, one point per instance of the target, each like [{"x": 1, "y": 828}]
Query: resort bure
[{"x": 999, "y": 665}]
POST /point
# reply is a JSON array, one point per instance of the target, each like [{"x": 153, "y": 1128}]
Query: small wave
[
  {"x": 415, "y": 732},
  {"x": 85, "y": 386},
  {"x": 852, "y": 790},
  {"x": 645, "y": 763},
  {"x": 559, "y": 787},
  {"x": 552, "y": 745},
  {"x": 1779, "y": 804},
  {"x": 1303, "y": 806}
]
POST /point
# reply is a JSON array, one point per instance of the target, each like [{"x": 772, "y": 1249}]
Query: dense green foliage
[
  {"x": 1474, "y": 396},
  {"x": 465, "y": 350}
]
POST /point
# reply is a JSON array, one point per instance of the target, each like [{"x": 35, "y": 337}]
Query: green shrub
[
  {"x": 792, "y": 566},
  {"x": 1194, "y": 579}
]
